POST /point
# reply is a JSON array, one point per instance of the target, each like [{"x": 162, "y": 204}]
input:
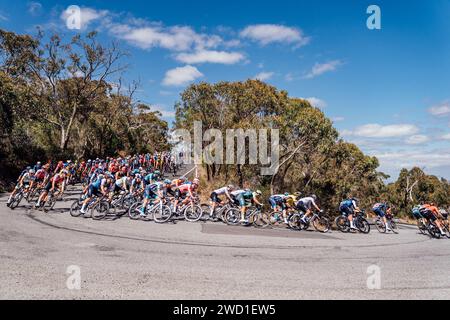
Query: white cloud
[
  {"x": 263, "y": 76},
  {"x": 321, "y": 68},
  {"x": 177, "y": 38},
  {"x": 34, "y": 8},
  {"x": 408, "y": 159},
  {"x": 417, "y": 139},
  {"x": 272, "y": 33},
  {"x": 163, "y": 110},
  {"x": 446, "y": 136},
  {"x": 3, "y": 17},
  {"x": 440, "y": 110},
  {"x": 210, "y": 56},
  {"x": 316, "y": 102},
  {"x": 289, "y": 77},
  {"x": 338, "y": 119},
  {"x": 87, "y": 16},
  {"x": 181, "y": 76},
  {"x": 380, "y": 131}
]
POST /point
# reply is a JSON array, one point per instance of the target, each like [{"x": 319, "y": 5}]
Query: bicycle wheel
[
  {"x": 162, "y": 214},
  {"x": 275, "y": 218},
  {"x": 422, "y": 227},
  {"x": 342, "y": 224},
  {"x": 261, "y": 220},
  {"x": 294, "y": 221},
  {"x": 362, "y": 225},
  {"x": 206, "y": 210},
  {"x": 49, "y": 204},
  {"x": 233, "y": 216},
  {"x": 193, "y": 213},
  {"x": 434, "y": 231},
  {"x": 135, "y": 211},
  {"x": 321, "y": 224},
  {"x": 100, "y": 210},
  {"x": 16, "y": 201},
  {"x": 393, "y": 226},
  {"x": 75, "y": 209},
  {"x": 380, "y": 226}
]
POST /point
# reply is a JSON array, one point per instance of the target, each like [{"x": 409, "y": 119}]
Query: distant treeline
[{"x": 315, "y": 159}]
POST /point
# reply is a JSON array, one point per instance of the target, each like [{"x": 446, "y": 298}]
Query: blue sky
[{"x": 387, "y": 90}]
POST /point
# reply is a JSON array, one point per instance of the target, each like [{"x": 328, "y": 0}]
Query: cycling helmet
[
  {"x": 286, "y": 194},
  {"x": 138, "y": 176},
  {"x": 314, "y": 197},
  {"x": 157, "y": 172},
  {"x": 230, "y": 187},
  {"x": 31, "y": 171},
  {"x": 196, "y": 181},
  {"x": 64, "y": 172},
  {"x": 258, "y": 192},
  {"x": 297, "y": 194},
  {"x": 167, "y": 181}
]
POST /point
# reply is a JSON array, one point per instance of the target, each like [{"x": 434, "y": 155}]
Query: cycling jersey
[
  {"x": 184, "y": 188},
  {"x": 221, "y": 191},
  {"x": 307, "y": 202},
  {"x": 27, "y": 178}
]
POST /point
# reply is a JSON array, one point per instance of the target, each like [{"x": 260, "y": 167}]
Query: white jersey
[
  {"x": 221, "y": 191},
  {"x": 237, "y": 192},
  {"x": 308, "y": 202},
  {"x": 26, "y": 178}
]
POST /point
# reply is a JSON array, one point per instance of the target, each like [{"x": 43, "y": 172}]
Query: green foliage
[
  {"x": 60, "y": 100},
  {"x": 314, "y": 159}
]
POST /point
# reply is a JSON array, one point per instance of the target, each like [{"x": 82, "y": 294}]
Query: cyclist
[
  {"x": 215, "y": 197},
  {"x": 306, "y": 204},
  {"x": 246, "y": 199},
  {"x": 58, "y": 181},
  {"x": 381, "y": 209},
  {"x": 348, "y": 207},
  {"x": 150, "y": 194},
  {"x": 122, "y": 184},
  {"x": 432, "y": 213},
  {"x": 283, "y": 202},
  {"x": 99, "y": 187},
  {"x": 137, "y": 183},
  {"x": 185, "y": 190},
  {"x": 26, "y": 182}
]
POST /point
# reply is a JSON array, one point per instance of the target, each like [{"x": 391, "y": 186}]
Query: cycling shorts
[
  {"x": 93, "y": 191},
  {"x": 380, "y": 213},
  {"x": 215, "y": 198},
  {"x": 347, "y": 211}
]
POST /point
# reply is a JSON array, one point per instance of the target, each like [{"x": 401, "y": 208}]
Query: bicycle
[
  {"x": 15, "y": 201},
  {"x": 49, "y": 204},
  {"x": 382, "y": 227},
  {"x": 156, "y": 211},
  {"x": 253, "y": 216},
  {"x": 191, "y": 211},
  {"x": 319, "y": 221},
  {"x": 219, "y": 212},
  {"x": 360, "y": 223}
]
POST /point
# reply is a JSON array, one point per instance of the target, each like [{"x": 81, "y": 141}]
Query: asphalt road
[{"x": 124, "y": 259}]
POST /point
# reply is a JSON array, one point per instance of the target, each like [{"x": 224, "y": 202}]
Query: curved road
[{"x": 124, "y": 259}]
